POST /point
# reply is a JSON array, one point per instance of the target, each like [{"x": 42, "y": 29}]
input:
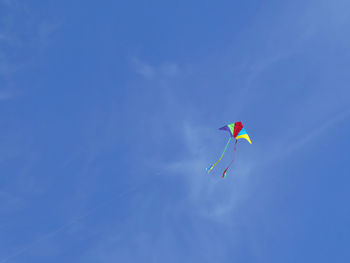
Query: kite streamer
[
  {"x": 234, "y": 157},
  {"x": 212, "y": 166}
]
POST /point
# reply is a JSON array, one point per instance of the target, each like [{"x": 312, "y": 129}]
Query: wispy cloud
[
  {"x": 148, "y": 71},
  {"x": 313, "y": 134},
  {"x": 206, "y": 189},
  {"x": 21, "y": 44},
  {"x": 143, "y": 68}
]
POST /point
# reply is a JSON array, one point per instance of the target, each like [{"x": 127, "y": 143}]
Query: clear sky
[{"x": 109, "y": 115}]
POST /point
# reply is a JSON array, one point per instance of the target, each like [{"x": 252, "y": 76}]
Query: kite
[{"x": 236, "y": 131}]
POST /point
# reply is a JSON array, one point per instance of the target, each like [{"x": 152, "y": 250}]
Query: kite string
[
  {"x": 212, "y": 166},
  {"x": 234, "y": 157}
]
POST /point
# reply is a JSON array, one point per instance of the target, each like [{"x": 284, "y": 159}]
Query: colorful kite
[{"x": 236, "y": 131}]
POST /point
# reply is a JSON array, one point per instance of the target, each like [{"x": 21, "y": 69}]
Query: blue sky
[{"x": 110, "y": 113}]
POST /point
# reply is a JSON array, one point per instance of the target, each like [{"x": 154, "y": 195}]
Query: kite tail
[
  {"x": 234, "y": 157},
  {"x": 212, "y": 166}
]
